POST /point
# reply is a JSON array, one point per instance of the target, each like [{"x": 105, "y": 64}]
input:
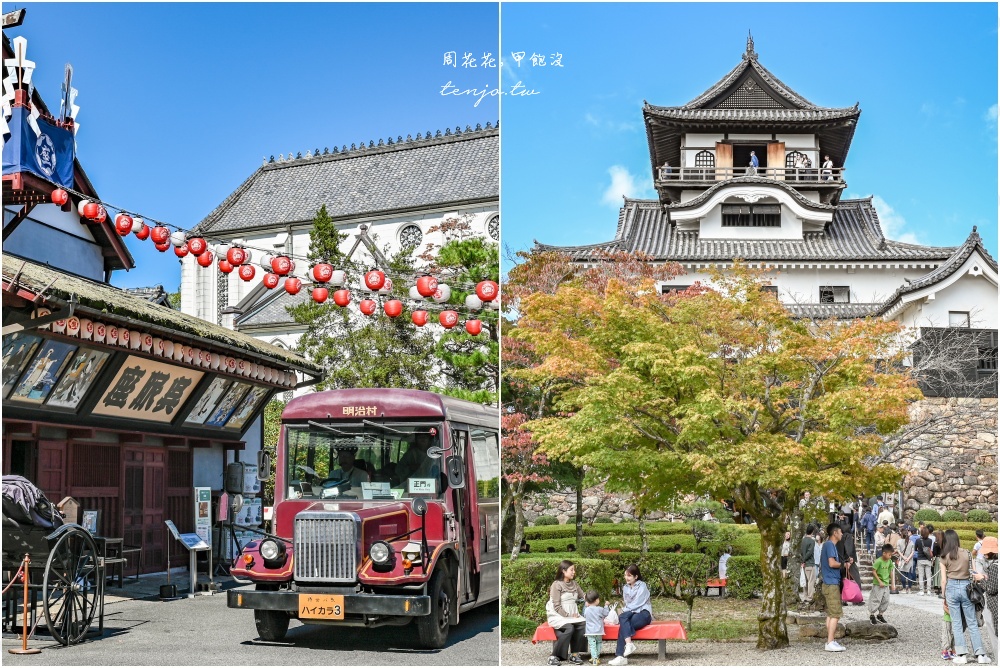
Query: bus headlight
[
  {"x": 273, "y": 552},
  {"x": 382, "y": 555}
]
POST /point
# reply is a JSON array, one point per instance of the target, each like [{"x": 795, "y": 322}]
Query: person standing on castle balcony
[
  {"x": 754, "y": 164},
  {"x": 827, "y": 168}
]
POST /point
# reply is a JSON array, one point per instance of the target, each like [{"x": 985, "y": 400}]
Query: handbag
[{"x": 851, "y": 593}]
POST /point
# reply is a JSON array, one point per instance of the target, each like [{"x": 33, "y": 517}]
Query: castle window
[
  {"x": 987, "y": 361},
  {"x": 770, "y": 289},
  {"x": 704, "y": 162},
  {"x": 751, "y": 215},
  {"x": 493, "y": 228},
  {"x": 835, "y": 294},
  {"x": 667, "y": 288},
  {"x": 958, "y": 319},
  {"x": 791, "y": 157},
  {"x": 410, "y": 236}
]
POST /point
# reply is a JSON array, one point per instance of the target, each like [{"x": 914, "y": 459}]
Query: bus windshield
[{"x": 363, "y": 461}]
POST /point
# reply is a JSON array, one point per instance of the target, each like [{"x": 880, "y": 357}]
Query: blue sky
[
  {"x": 925, "y": 76},
  {"x": 181, "y": 102}
]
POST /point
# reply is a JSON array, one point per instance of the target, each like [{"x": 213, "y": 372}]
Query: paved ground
[
  {"x": 917, "y": 619},
  {"x": 203, "y": 631}
]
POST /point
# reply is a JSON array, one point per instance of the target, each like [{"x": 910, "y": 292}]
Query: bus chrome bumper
[{"x": 354, "y": 604}]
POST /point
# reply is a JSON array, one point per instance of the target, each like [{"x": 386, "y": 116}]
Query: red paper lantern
[
  {"x": 60, "y": 196},
  {"x": 271, "y": 280},
  {"x": 487, "y": 290},
  {"x": 163, "y": 248},
  {"x": 448, "y": 319},
  {"x": 281, "y": 265},
  {"x": 320, "y": 294},
  {"x": 473, "y": 327},
  {"x": 419, "y": 318},
  {"x": 367, "y": 306},
  {"x": 142, "y": 232},
  {"x": 427, "y": 286},
  {"x": 91, "y": 210},
  {"x": 181, "y": 251},
  {"x": 225, "y": 267},
  {"x": 374, "y": 279},
  {"x": 102, "y": 214},
  {"x": 323, "y": 272},
  {"x": 247, "y": 272},
  {"x": 205, "y": 259},
  {"x": 342, "y": 297},
  {"x": 197, "y": 246},
  {"x": 123, "y": 224},
  {"x": 293, "y": 285},
  {"x": 236, "y": 256},
  {"x": 160, "y": 235},
  {"x": 393, "y": 308}
]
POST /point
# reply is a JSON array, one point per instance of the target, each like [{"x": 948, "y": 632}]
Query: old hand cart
[{"x": 65, "y": 565}]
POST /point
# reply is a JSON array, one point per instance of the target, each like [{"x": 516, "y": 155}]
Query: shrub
[
  {"x": 979, "y": 515},
  {"x": 548, "y": 520},
  {"x": 726, "y": 519},
  {"x": 927, "y": 515},
  {"x": 588, "y": 548},
  {"x": 744, "y": 579},
  {"x": 514, "y": 626},
  {"x": 526, "y": 582},
  {"x": 603, "y": 519},
  {"x": 952, "y": 516}
]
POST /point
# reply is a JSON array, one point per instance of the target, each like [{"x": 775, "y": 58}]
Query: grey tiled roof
[
  {"x": 398, "y": 175},
  {"x": 853, "y": 234},
  {"x": 758, "y": 180},
  {"x": 754, "y": 115},
  {"x": 750, "y": 62},
  {"x": 156, "y": 294},
  {"x": 836, "y": 311},
  {"x": 271, "y": 309},
  {"x": 946, "y": 269}
]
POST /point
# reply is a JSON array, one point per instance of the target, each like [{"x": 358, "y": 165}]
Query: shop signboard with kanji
[{"x": 147, "y": 390}]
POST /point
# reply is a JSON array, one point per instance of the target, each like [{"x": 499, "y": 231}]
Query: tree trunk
[
  {"x": 797, "y": 528},
  {"x": 772, "y": 632},
  {"x": 517, "y": 498},
  {"x": 642, "y": 533},
  {"x": 579, "y": 508}
]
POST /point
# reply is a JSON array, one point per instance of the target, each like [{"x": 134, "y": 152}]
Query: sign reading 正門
[
  {"x": 147, "y": 390},
  {"x": 49, "y": 154}
]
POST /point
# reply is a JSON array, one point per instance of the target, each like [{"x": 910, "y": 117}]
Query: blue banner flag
[{"x": 49, "y": 154}]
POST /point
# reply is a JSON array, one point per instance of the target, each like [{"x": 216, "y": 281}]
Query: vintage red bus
[{"x": 386, "y": 511}]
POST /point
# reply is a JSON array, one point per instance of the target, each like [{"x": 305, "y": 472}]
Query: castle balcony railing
[{"x": 818, "y": 176}]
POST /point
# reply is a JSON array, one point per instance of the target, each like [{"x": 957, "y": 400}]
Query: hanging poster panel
[
  {"x": 79, "y": 376},
  {"x": 246, "y": 409},
  {"x": 43, "y": 372},
  {"x": 209, "y": 400},
  {"x": 203, "y": 513},
  {"x": 147, "y": 390},
  {"x": 228, "y": 405},
  {"x": 18, "y": 349}
]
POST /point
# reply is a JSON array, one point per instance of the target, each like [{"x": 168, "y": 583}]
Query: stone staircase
[{"x": 864, "y": 564}]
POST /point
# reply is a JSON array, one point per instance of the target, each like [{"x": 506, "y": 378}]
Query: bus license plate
[{"x": 321, "y": 606}]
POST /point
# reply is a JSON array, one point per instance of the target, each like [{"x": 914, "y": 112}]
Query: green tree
[
  {"x": 272, "y": 430},
  {"x": 355, "y": 350},
  {"x": 717, "y": 392}
]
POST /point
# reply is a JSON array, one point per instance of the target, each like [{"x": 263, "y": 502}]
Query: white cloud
[
  {"x": 991, "y": 115},
  {"x": 893, "y": 223},
  {"x": 596, "y": 121},
  {"x": 623, "y": 184}
]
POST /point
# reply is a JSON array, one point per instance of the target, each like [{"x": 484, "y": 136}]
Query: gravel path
[{"x": 918, "y": 621}]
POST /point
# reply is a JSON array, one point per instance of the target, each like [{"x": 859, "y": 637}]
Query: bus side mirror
[
  {"x": 456, "y": 472},
  {"x": 263, "y": 466}
]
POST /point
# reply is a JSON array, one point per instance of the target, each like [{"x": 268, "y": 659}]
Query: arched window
[
  {"x": 791, "y": 173},
  {"x": 704, "y": 162},
  {"x": 493, "y": 228},
  {"x": 791, "y": 157}
]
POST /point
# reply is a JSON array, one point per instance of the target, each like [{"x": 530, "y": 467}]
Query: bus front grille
[{"x": 326, "y": 547}]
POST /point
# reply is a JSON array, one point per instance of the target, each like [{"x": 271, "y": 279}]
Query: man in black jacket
[{"x": 849, "y": 554}]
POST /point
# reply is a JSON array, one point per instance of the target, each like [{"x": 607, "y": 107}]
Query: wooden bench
[{"x": 658, "y": 631}]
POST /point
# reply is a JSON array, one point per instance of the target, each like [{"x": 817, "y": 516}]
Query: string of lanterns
[{"x": 279, "y": 269}]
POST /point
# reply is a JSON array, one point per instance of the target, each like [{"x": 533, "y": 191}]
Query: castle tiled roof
[
  {"x": 272, "y": 309},
  {"x": 854, "y": 234},
  {"x": 394, "y": 175},
  {"x": 835, "y": 311}
]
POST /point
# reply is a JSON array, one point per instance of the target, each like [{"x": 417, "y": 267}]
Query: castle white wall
[
  {"x": 973, "y": 294},
  {"x": 711, "y": 226}
]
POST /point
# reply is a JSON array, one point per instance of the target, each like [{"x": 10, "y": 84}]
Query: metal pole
[{"x": 24, "y": 616}]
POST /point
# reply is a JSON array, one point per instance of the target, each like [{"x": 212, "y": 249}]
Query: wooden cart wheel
[{"x": 71, "y": 587}]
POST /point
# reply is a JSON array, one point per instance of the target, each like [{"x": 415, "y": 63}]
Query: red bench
[{"x": 658, "y": 631}]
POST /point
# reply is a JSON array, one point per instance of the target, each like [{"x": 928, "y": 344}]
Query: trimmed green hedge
[
  {"x": 744, "y": 578},
  {"x": 546, "y": 520},
  {"x": 927, "y": 515},
  {"x": 742, "y": 545},
  {"x": 989, "y": 527},
  {"x": 526, "y": 582},
  {"x": 622, "y": 529},
  {"x": 979, "y": 515},
  {"x": 952, "y": 516}
]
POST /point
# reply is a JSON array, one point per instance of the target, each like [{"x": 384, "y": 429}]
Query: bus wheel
[
  {"x": 271, "y": 624},
  {"x": 433, "y": 628}
]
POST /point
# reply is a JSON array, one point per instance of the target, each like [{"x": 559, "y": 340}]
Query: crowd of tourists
[{"x": 905, "y": 559}]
